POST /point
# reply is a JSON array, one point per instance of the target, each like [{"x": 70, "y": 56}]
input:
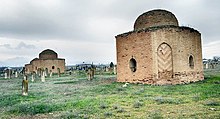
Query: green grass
[{"x": 73, "y": 96}]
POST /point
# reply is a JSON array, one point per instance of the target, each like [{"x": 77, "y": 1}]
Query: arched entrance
[{"x": 165, "y": 61}]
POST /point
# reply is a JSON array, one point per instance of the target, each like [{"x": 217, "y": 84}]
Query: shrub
[
  {"x": 35, "y": 108},
  {"x": 115, "y": 106},
  {"x": 107, "y": 114},
  {"x": 211, "y": 103},
  {"x": 70, "y": 115},
  {"x": 161, "y": 100},
  {"x": 138, "y": 104},
  {"x": 120, "y": 110},
  {"x": 103, "y": 106},
  {"x": 155, "y": 115},
  {"x": 120, "y": 89},
  {"x": 84, "y": 116}
]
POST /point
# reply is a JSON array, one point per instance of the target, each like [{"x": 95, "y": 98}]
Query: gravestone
[
  {"x": 115, "y": 70},
  {"x": 43, "y": 77},
  {"x": 33, "y": 77},
  {"x": 90, "y": 73},
  {"x": 16, "y": 74},
  {"x": 93, "y": 72},
  {"x": 106, "y": 69},
  {"x": 25, "y": 86},
  {"x": 207, "y": 66},
  {"x": 9, "y": 73},
  {"x": 58, "y": 73},
  {"x": 51, "y": 73},
  {"x": 6, "y": 75},
  {"x": 45, "y": 73}
]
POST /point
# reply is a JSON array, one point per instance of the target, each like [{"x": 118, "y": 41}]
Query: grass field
[{"x": 75, "y": 97}]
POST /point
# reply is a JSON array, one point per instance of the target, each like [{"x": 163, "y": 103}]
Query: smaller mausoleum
[{"x": 48, "y": 61}]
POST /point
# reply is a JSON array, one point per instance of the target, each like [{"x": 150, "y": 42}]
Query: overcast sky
[{"x": 85, "y": 30}]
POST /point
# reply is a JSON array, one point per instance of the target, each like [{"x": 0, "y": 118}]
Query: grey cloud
[
  {"x": 23, "y": 45},
  {"x": 15, "y": 61},
  {"x": 68, "y": 19},
  {"x": 39, "y": 22},
  {"x": 19, "y": 46},
  {"x": 7, "y": 46}
]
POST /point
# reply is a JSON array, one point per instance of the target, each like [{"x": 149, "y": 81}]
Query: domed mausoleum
[
  {"x": 48, "y": 61},
  {"x": 159, "y": 51}
]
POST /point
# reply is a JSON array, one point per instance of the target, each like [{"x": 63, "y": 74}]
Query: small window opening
[
  {"x": 133, "y": 65},
  {"x": 191, "y": 62},
  {"x": 53, "y": 67}
]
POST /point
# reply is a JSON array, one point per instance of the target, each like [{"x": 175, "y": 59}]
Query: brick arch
[{"x": 165, "y": 61}]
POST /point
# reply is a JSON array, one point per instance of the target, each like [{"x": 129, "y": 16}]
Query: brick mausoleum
[
  {"x": 159, "y": 51},
  {"x": 48, "y": 61}
]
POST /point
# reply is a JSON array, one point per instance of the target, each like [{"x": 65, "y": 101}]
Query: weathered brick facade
[
  {"x": 48, "y": 61},
  {"x": 159, "y": 52}
]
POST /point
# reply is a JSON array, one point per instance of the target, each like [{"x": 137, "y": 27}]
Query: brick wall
[
  {"x": 137, "y": 46},
  {"x": 43, "y": 64},
  {"x": 143, "y": 47}
]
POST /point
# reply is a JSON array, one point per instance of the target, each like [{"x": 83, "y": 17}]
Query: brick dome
[
  {"x": 48, "y": 54},
  {"x": 155, "y": 18}
]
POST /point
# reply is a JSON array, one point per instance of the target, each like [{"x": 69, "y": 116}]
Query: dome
[
  {"x": 48, "y": 54},
  {"x": 34, "y": 60},
  {"x": 155, "y": 18}
]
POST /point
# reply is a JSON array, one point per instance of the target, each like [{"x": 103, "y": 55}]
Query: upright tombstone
[
  {"x": 6, "y": 75},
  {"x": 43, "y": 76},
  {"x": 90, "y": 74},
  {"x": 51, "y": 73},
  {"x": 93, "y": 72},
  {"x": 58, "y": 72},
  {"x": 33, "y": 77},
  {"x": 9, "y": 73},
  {"x": 16, "y": 74},
  {"x": 39, "y": 72},
  {"x": 25, "y": 86},
  {"x": 106, "y": 69},
  {"x": 115, "y": 69},
  {"x": 45, "y": 73},
  {"x": 206, "y": 66},
  {"x": 70, "y": 73}
]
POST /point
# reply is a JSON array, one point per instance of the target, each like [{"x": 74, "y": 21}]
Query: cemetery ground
[{"x": 73, "y": 96}]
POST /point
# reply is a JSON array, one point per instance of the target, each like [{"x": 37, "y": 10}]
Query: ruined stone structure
[
  {"x": 158, "y": 51},
  {"x": 48, "y": 62}
]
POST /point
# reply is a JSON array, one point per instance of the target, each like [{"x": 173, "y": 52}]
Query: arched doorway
[{"x": 165, "y": 61}]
